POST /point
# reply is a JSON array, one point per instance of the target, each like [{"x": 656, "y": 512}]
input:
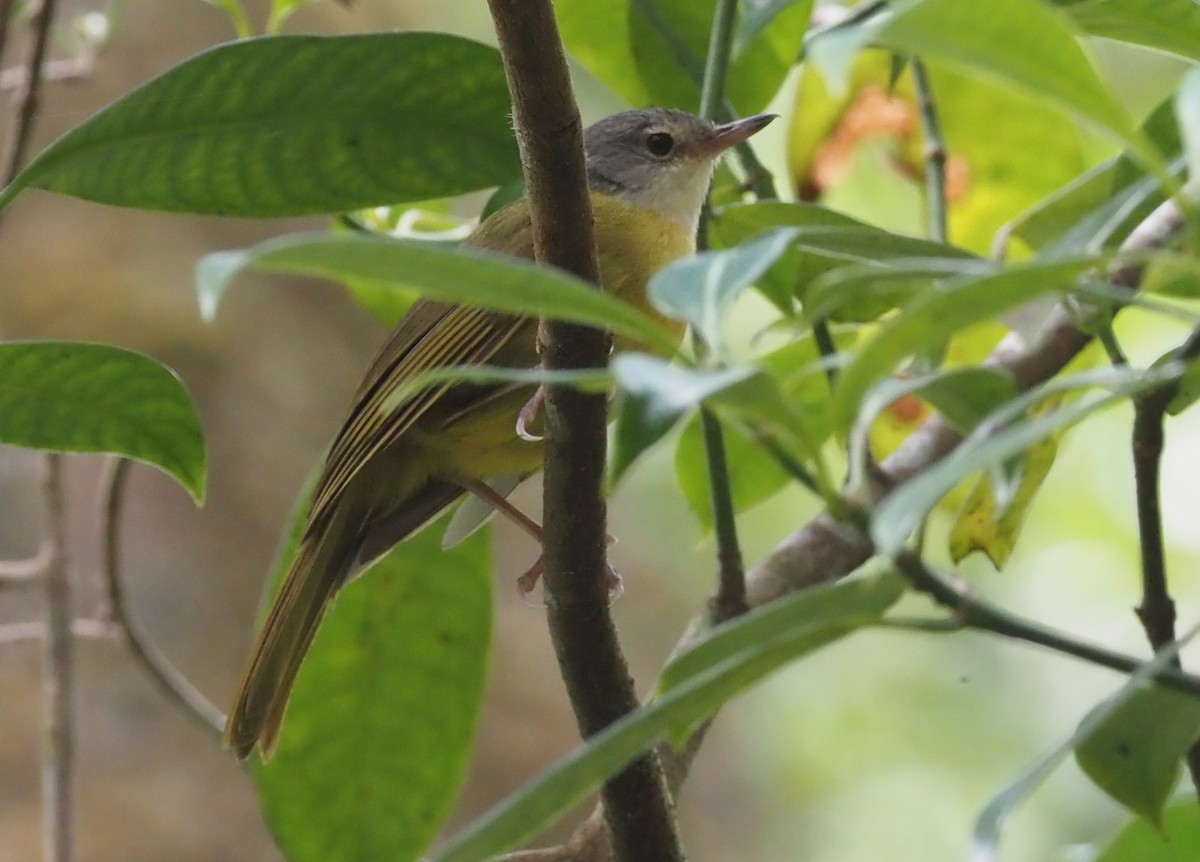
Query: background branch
[
  {"x": 58, "y": 681},
  {"x": 637, "y": 808},
  {"x": 115, "y": 608}
]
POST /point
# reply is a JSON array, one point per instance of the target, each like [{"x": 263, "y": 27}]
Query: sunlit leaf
[
  {"x": 292, "y": 125},
  {"x": 71, "y": 397},
  {"x": 1178, "y": 838}
]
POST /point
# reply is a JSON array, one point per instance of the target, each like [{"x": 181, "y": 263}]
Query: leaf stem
[{"x": 934, "y": 152}]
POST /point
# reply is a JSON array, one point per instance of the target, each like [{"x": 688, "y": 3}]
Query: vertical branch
[
  {"x": 730, "y": 599},
  {"x": 637, "y": 807},
  {"x": 25, "y": 96},
  {"x": 1157, "y": 609},
  {"x": 58, "y": 680}
]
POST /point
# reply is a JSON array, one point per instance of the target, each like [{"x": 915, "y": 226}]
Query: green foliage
[
  {"x": 383, "y": 712},
  {"x": 736, "y": 655},
  {"x": 380, "y": 723},
  {"x": 1177, "y": 838},
  {"x": 70, "y": 397}
]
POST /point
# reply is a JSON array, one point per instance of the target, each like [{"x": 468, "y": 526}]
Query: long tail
[{"x": 322, "y": 564}]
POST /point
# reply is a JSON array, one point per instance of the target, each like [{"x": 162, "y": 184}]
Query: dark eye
[{"x": 660, "y": 144}]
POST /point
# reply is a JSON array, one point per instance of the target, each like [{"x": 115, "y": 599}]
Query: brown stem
[
  {"x": 637, "y": 807},
  {"x": 58, "y": 681},
  {"x": 25, "y": 96},
  {"x": 115, "y": 608}
]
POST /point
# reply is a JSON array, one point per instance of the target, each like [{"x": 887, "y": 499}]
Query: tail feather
[{"x": 321, "y": 566}]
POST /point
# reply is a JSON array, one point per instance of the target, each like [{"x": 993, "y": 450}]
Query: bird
[{"x": 393, "y": 467}]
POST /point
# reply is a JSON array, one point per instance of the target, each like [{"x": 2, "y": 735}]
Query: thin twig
[
  {"x": 25, "y": 98},
  {"x": 637, "y": 808},
  {"x": 23, "y": 571},
  {"x": 58, "y": 681},
  {"x": 115, "y": 608},
  {"x": 977, "y": 614},
  {"x": 730, "y": 598},
  {"x": 12, "y": 633},
  {"x": 6, "y": 16},
  {"x": 934, "y": 152}
]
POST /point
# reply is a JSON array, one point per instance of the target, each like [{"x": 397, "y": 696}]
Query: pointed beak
[{"x": 725, "y": 136}]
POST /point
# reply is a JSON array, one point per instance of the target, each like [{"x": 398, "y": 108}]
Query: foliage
[{"x": 866, "y": 320}]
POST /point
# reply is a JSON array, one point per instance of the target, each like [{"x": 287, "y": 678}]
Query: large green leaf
[
  {"x": 381, "y": 721},
  {"x": 743, "y": 652},
  {"x": 651, "y": 52},
  {"x": 1168, "y": 25},
  {"x": 466, "y": 275},
  {"x": 1098, "y": 208},
  {"x": 71, "y": 397},
  {"x": 290, "y": 125},
  {"x": 1134, "y": 754}
]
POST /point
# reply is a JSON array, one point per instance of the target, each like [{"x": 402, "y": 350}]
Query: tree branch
[
  {"x": 25, "y": 97},
  {"x": 637, "y": 808}
]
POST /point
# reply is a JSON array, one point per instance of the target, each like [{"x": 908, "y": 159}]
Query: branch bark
[{"x": 637, "y": 807}]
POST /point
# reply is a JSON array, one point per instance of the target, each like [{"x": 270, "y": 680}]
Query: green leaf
[
  {"x": 651, "y": 52},
  {"x": 1098, "y": 209},
  {"x": 1022, "y": 42},
  {"x": 754, "y": 476},
  {"x": 932, "y": 318},
  {"x": 900, "y": 512},
  {"x": 573, "y": 777},
  {"x": 653, "y": 396},
  {"x": 293, "y": 125},
  {"x": 865, "y": 291},
  {"x": 1178, "y": 838},
  {"x": 985, "y": 841},
  {"x": 71, "y": 397},
  {"x": 380, "y": 724},
  {"x": 1134, "y": 753},
  {"x": 466, "y": 275},
  {"x": 700, "y": 289},
  {"x": 1187, "y": 109},
  {"x": 1168, "y": 25}
]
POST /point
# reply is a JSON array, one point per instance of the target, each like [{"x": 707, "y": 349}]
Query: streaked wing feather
[{"x": 434, "y": 337}]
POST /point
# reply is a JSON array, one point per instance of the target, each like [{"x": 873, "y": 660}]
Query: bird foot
[{"x": 528, "y": 581}]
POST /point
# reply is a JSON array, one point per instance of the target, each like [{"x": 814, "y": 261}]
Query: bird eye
[{"x": 660, "y": 144}]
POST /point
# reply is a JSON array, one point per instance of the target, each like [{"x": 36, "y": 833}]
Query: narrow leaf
[
  {"x": 930, "y": 319},
  {"x": 700, "y": 289},
  {"x": 572, "y": 778},
  {"x": 73, "y": 397},
  {"x": 464, "y": 275}
]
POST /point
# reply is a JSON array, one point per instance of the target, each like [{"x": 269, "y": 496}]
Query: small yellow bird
[{"x": 391, "y": 470}]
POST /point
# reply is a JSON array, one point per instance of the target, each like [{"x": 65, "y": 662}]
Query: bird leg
[
  {"x": 529, "y": 413},
  {"x": 528, "y": 581}
]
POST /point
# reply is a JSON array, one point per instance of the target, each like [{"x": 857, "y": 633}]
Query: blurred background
[{"x": 883, "y": 746}]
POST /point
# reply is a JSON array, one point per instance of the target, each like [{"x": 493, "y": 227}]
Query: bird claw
[
  {"x": 526, "y": 584},
  {"x": 529, "y": 413}
]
